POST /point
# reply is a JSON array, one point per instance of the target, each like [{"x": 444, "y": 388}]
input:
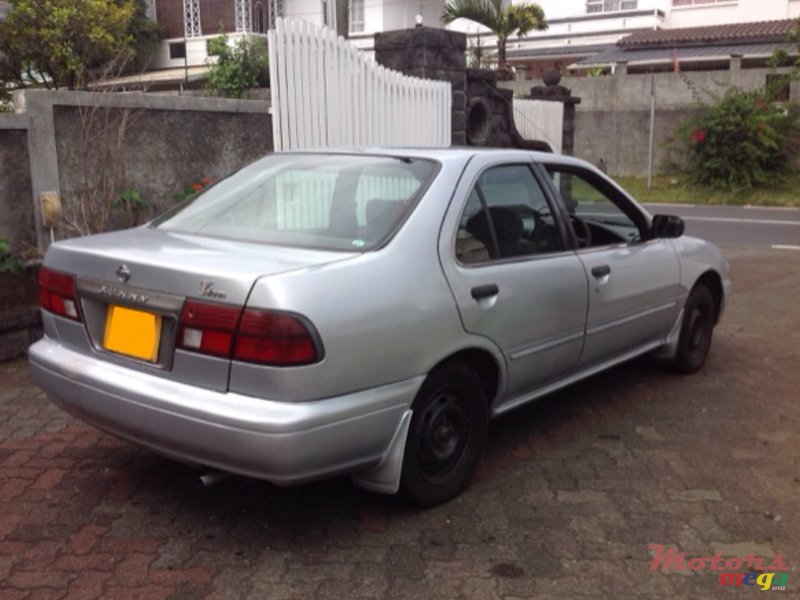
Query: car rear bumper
[{"x": 283, "y": 442}]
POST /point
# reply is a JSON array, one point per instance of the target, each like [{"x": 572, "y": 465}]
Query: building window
[
  {"x": 191, "y": 18},
  {"x": 601, "y": 6},
  {"x": 177, "y": 50},
  {"x": 260, "y": 27},
  {"x": 356, "y": 16},
  {"x": 696, "y": 2},
  {"x": 275, "y": 8},
  {"x": 242, "y": 15}
]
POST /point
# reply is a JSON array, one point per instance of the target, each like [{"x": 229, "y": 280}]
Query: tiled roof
[{"x": 756, "y": 31}]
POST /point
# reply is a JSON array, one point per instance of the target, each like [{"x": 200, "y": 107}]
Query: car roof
[{"x": 454, "y": 152}]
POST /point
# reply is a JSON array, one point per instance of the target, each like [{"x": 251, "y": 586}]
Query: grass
[{"x": 672, "y": 189}]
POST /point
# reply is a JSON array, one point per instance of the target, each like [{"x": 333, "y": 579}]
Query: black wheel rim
[
  {"x": 445, "y": 434},
  {"x": 700, "y": 324}
]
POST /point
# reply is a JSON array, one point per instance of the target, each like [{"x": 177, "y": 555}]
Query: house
[
  {"x": 705, "y": 48},
  {"x": 189, "y": 24},
  {"x": 580, "y": 29}
]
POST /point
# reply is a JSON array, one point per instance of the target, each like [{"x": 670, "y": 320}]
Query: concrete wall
[
  {"x": 164, "y": 150},
  {"x": 16, "y": 207},
  {"x": 613, "y": 118},
  {"x": 623, "y": 91},
  {"x": 621, "y": 138},
  {"x": 170, "y": 142}
]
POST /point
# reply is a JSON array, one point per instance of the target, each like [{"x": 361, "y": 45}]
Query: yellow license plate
[{"x": 132, "y": 332}]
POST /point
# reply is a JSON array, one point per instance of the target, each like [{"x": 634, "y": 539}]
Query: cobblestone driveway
[{"x": 568, "y": 497}]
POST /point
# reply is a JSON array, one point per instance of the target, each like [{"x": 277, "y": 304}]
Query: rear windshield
[{"x": 340, "y": 202}]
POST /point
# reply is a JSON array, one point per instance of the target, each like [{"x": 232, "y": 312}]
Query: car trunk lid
[{"x": 143, "y": 277}]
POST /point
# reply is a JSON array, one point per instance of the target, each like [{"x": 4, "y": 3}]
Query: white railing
[
  {"x": 540, "y": 120},
  {"x": 325, "y": 93}
]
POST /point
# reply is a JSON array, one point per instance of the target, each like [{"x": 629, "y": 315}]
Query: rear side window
[
  {"x": 506, "y": 216},
  {"x": 339, "y": 202}
]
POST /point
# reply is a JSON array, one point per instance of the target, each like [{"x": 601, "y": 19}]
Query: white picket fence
[
  {"x": 540, "y": 120},
  {"x": 326, "y": 93}
]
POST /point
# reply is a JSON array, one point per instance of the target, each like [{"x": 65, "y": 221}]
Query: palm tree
[{"x": 503, "y": 21}]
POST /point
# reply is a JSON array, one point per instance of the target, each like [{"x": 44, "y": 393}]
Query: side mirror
[{"x": 667, "y": 226}]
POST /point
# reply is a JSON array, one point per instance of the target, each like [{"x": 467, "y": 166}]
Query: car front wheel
[
  {"x": 446, "y": 436},
  {"x": 699, "y": 318}
]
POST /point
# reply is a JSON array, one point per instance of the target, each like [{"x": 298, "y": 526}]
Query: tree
[
  {"x": 145, "y": 35},
  {"x": 58, "y": 43},
  {"x": 237, "y": 68},
  {"x": 503, "y": 21}
]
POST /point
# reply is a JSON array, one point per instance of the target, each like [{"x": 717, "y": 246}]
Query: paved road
[{"x": 761, "y": 227}]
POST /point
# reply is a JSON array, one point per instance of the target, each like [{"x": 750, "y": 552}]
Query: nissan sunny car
[{"x": 367, "y": 312}]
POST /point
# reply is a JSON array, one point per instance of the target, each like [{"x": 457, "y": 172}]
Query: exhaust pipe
[{"x": 213, "y": 478}]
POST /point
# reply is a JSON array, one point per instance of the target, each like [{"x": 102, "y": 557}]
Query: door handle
[
  {"x": 485, "y": 291},
  {"x": 601, "y": 271}
]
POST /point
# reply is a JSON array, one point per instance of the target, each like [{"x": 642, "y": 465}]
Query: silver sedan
[{"x": 367, "y": 312}]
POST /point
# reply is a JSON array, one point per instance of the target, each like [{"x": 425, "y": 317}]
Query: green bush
[
  {"x": 742, "y": 141},
  {"x": 237, "y": 68},
  {"x": 9, "y": 262}
]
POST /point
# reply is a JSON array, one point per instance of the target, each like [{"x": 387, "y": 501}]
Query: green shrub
[
  {"x": 237, "y": 68},
  {"x": 742, "y": 141},
  {"x": 9, "y": 262}
]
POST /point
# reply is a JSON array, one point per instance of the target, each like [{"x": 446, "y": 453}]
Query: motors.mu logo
[{"x": 766, "y": 574}]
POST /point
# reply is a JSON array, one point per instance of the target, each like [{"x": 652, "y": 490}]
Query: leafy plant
[
  {"x": 9, "y": 262},
  {"x": 504, "y": 20},
  {"x": 237, "y": 68},
  {"x": 131, "y": 202},
  {"x": 744, "y": 139}
]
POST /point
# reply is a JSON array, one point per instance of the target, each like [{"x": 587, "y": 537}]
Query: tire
[
  {"x": 699, "y": 318},
  {"x": 446, "y": 435}
]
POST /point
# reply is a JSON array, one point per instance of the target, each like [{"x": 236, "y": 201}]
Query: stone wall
[
  {"x": 16, "y": 206},
  {"x": 481, "y": 111},
  {"x": 430, "y": 53},
  {"x": 164, "y": 152}
]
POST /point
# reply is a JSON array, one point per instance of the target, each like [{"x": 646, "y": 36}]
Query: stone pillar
[
  {"x": 736, "y": 62},
  {"x": 621, "y": 68},
  {"x": 431, "y": 54},
  {"x": 554, "y": 92}
]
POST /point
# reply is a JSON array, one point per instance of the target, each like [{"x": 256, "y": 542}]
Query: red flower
[
  {"x": 699, "y": 136},
  {"x": 205, "y": 181},
  {"x": 197, "y": 187}
]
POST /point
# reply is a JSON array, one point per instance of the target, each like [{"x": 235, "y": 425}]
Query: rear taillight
[
  {"x": 274, "y": 338},
  {"x": 257, "y": 336},
  {"x": 208, "y": 328},
  {"x": 57, "y": 294}
]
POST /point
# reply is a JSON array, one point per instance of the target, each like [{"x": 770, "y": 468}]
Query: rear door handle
[
  {"x": 485, "y": 291},
  {"x": 601, "y": 271}
]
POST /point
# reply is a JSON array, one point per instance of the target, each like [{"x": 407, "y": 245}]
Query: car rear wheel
[
  {"x": 699, "y": 318},
  {"x": 446, "y": 435}
]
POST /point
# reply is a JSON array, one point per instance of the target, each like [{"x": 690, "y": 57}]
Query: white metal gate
[
  {"x": 540, "y": 120},
  {"x": 326, "y": 93}
]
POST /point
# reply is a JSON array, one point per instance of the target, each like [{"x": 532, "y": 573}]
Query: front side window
[
  {"x": 339, "y": 202},
  {"x": 506, "y": 216},
  {"x": 598, "y": 216}
]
